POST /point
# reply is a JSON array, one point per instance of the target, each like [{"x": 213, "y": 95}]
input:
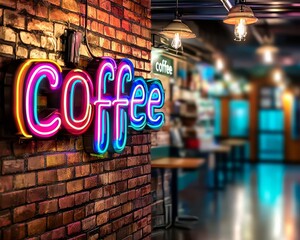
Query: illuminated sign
[
  {"x": 163, "y": 65},
  {"x": 110, "y": 100}
]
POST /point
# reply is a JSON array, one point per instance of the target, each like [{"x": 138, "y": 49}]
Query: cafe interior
[
  {"x": 150, "y": 119},
  {"x": 225, "y": 164}
]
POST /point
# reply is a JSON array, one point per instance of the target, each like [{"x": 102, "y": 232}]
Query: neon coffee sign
[{"x": 111, "y": 100}]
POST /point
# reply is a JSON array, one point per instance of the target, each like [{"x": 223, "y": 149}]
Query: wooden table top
[
  {"x": 234, "y": 142},
  {"x": 216, "y": 148},
  {"x": 173, "y": 162}
]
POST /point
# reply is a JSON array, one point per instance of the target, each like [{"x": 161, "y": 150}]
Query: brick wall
[{"x": 52, "y": 189}]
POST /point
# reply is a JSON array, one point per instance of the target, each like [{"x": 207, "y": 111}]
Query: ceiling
[{"x": 277, "y": 19}]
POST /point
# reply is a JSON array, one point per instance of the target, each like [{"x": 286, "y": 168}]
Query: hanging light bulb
[
  {"x": 240, "y": 15},
  {"x": 177, "y": 30},
  {"x": 267, "y": 52},
  {"x": 240, "y": 30},
  {"x": 176, "y": 42}
]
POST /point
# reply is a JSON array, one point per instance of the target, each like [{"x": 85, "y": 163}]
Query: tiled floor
[{"x": 263, "y": 203}]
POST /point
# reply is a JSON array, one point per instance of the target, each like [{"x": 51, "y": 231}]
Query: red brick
[
  {"x": 126, "y": 174},
  {"x": 11, "y": 18},
  {"x": 79, "y": 213},
  {"x": 65, "y": 144},
  {"x": 65, "y": 173},
  {"x": 109, "y": 190},
  {"x": 89, "y": 209},
  {"x": 24, "y": 180},
  {"x": 99, "y": 206},
  {"x": 55, "y": 160},
  {"x": 138, "y": 214},
  {"x": 46, "y": 146},
  {"x": 11, "y": 4},
  {"x": 114, "y": 21},
  {"x": 75, "y": 186},
  {"x": 74, "y": 228},
  {"x": 91, "y": 182},
  {"x": 83, "y": 170},
  {"x": 12, "y": 166},
  {"x": 121, "y": 35},
  {"x": 114, "y": 176},
  {"x": 6, "y": 183},
  {"x": 103, "y": 179},
  {"x": 24, "y": 212},
  {"x": 37, "y": 226},
  {"x": 12, "y": 199},
  {"x": 132, "y": 183},
  {"x": 5, "y": 218},
  {"x": 88, "y": 223},
  {"x": 26, "y": 6},
  {"x": 47, "y": 177},
  {"x": 121, "y": 163},
  {"x": 81, "y": 198},
  {"x": 121, "y": 186},
  {"x": 102, "y": 16},
  {"x": 36, "y": 194},
  {"x": 102, "y": 218},
  {"x": 56, "y": 190},
  {"x": 15, "y": 232},
  {"x": 105, "y": 230},
  {"x": 110, "y": 165},
  {"x": 59, "y": 233},
  {"x": 74, "y": 158},
  {"x": 124, "y": 233},
  {"x": 35, "y": 163},
  {"x": 42, "y": 11},
  {"x": 126, "y": 25},
  {"x": 96, "y": 193},
  {"x": 49, "y": 206},
  {"x": 127, "y": 207},
  {"x": 115, "y": 212},
  {"x": 55, "y": 221},
  {"x": 117, "y": 224},
  {"x": 55, "y": 2},
  {"x": 58, "y": 15},
  {"x": 68, "y": 217},
  {"x": 138, "y": 235},
  {"x": 109, "y": 32},
  {"x": 66, "y": 202}
]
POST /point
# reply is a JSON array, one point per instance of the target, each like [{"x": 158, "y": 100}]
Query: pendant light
[
  {"x": 267, "y": 51},
  {"x": 177, "y": 30},
  {"x": 240, "y": 16}
]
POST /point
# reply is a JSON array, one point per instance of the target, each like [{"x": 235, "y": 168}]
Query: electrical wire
[{"x": 85, "y": 28}]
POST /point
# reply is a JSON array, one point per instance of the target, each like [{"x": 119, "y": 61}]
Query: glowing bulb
[
  {"x": 240, "y": 30},
  {"x": 227, "y": 77},
  {"x": 268, "y": 56},
  {"x": 277, "y": 76},
  {"x": 176, "y": 43},
  {"x": 219, "y": 64}
]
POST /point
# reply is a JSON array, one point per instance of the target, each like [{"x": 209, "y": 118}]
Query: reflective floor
[{"x": 263, "y": 203}]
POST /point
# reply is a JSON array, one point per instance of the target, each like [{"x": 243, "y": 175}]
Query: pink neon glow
[
  {"x": 49, "y": 126},
  {"x": 124, "y": 74},
  {"x": 105, "y": 72},
  {"x": 80, "y": 124}
]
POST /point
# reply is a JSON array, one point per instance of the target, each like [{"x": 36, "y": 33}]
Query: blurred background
[{"x": 235, "y": 76}]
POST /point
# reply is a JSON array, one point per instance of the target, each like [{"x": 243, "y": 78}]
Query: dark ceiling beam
[{"x": 260, "y": 15}]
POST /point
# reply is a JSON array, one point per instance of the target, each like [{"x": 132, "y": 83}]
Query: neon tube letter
[
  {"x": 105, "y": 72},
  {"x": 125, "y": 74},
  {"x": 50, "y": 125},
  {"x": 156, "y": 99},
  {"x": 76, "y": 124},
  {"x": 137, "y": 103}
]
